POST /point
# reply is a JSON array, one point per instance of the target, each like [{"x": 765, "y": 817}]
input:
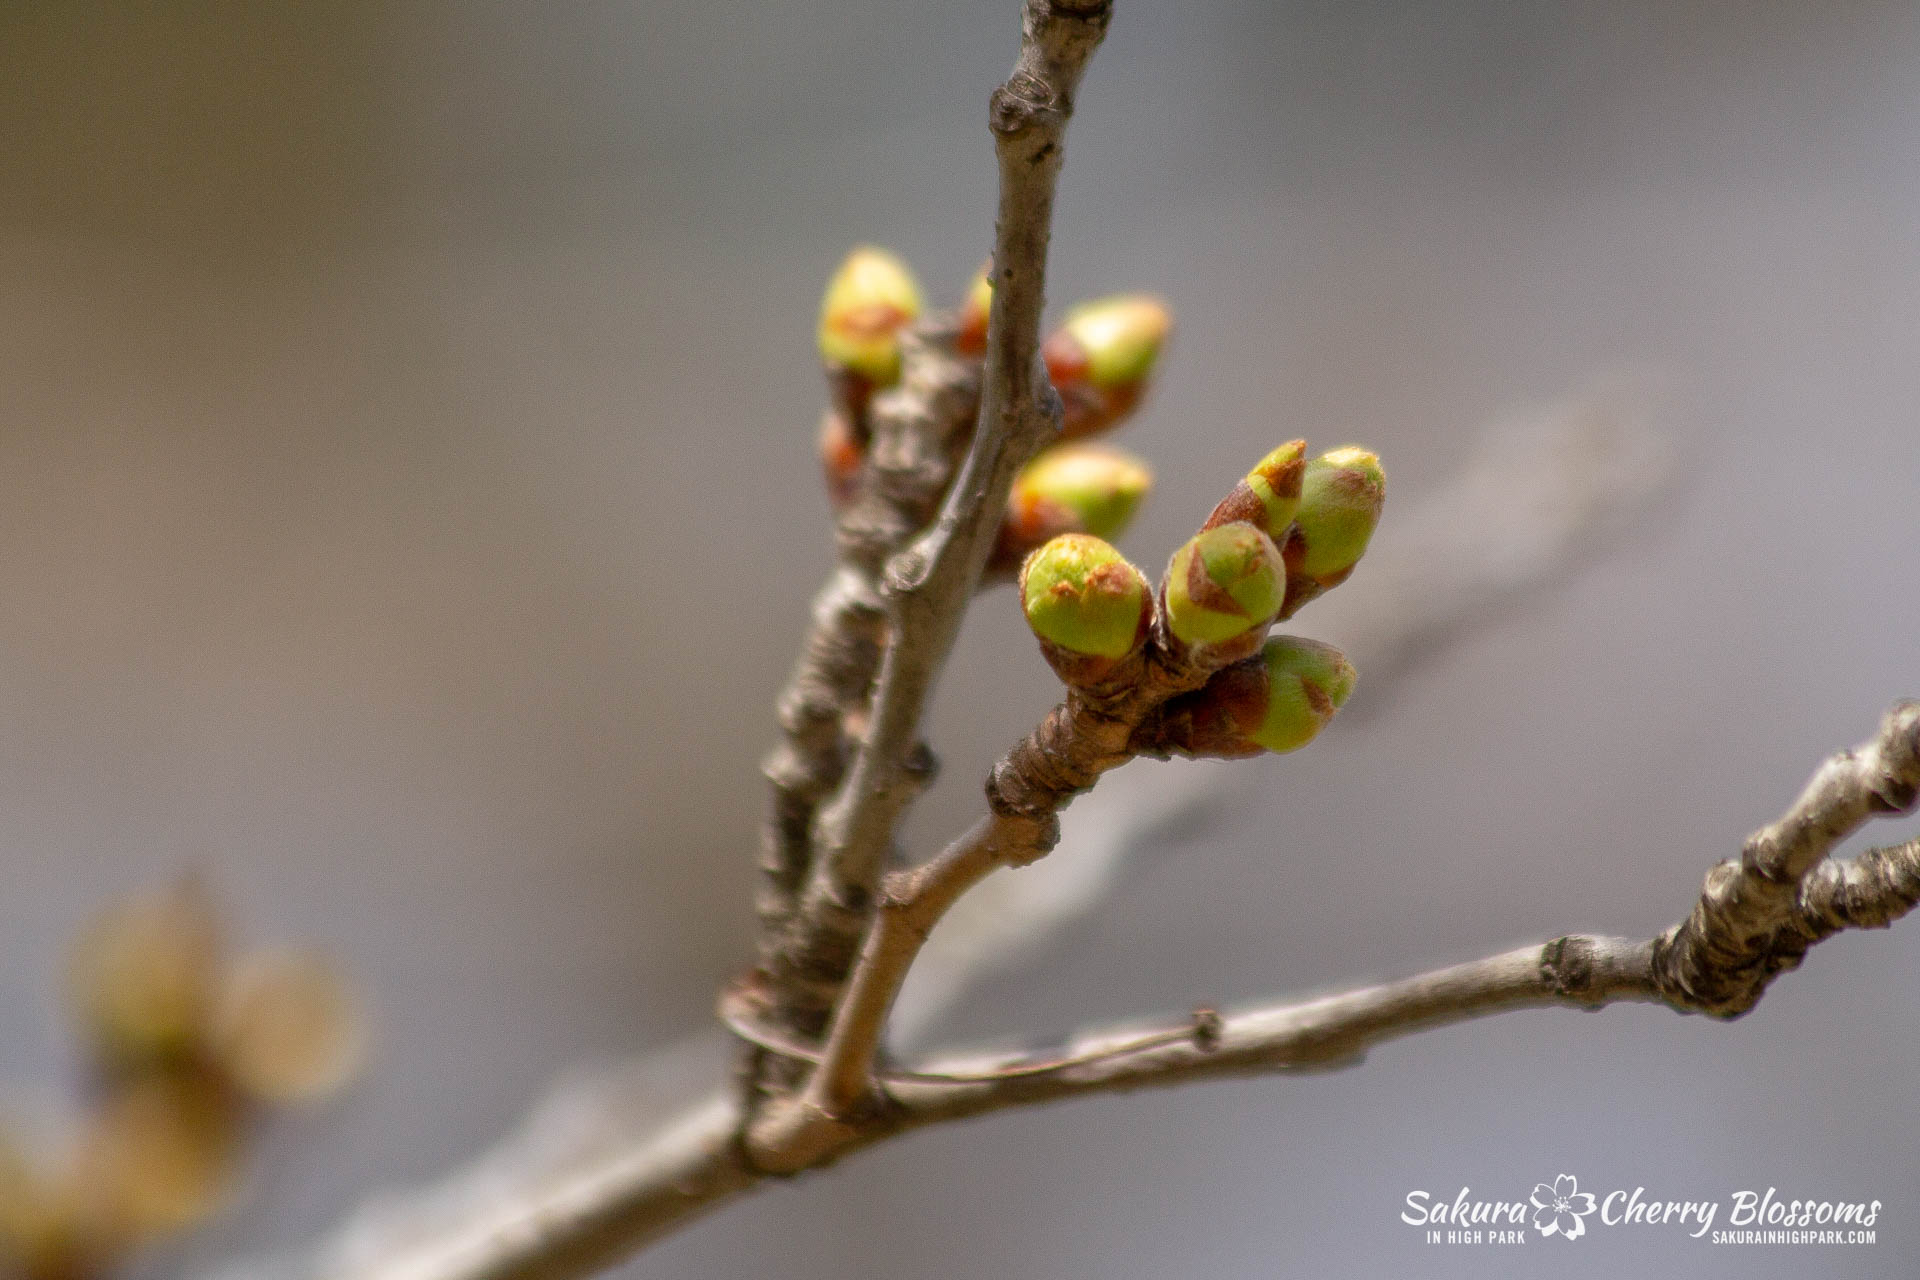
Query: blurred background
[{"x": 384, "y": 385}]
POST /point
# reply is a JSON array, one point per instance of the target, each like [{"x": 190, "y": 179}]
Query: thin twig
[{"x": 928, "y": 584}]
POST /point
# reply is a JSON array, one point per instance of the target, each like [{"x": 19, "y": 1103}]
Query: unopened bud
[
  {"x": 1223, "y": 587},
  {"x": 1089, "y": 607},
  {"x": 289, "y": 1028},
  {"x": 1071, "y": 488},
  {"x": 1277, "y": 700},
  {"x": 1102, "y": 357},
  {"x": 1341, "y": 494},
  {"x": 970, "y": 338},
  {"x": 1269, "y": 495},
  {"x": 163, "y": 1153},
  {"x": 41, "y": 1233},
  {"x": 1308, "y": 682},
  {"x": 142, "y": 976},
  {"x": 869, "y": 300}
]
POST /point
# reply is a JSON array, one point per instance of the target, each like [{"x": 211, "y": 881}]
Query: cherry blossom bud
[
  {"x": 142, "y": 976},
  {"x": 1269, "y": 495},
  {"x": 869, "y": 300},
  {"x": 1088, "y": 606},
  {"x": 1071, "y": 488},
  {"x": 1341, "y": 494},
  {"x": 1308, "y": 682},
  {"x": 288, "y": 1028},
  {"x": 41, "y": 1232},
  {"x": 162, "y": 1153},
  {"x": 1278, "y": 700},
  {"x": 1102, "y": 358},
  {"x": 1223, "y": 587}
]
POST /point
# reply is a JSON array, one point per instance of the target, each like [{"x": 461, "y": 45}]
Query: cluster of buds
[
  {"x": 1291, "y": 529},
  {"x": 186, "y": 1048},
  {"x": 1101, "y": 361},
  {"x": 1320, "y": 512}
]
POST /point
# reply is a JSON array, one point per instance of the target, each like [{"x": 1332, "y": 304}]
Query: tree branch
[
  {"x": 927, "y": 585},
  {"x": 618, "y": 1203}
]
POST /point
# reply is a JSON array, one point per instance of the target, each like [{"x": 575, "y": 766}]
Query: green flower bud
[
  {"x": 1277, "y": 700},
  {"x": 1341, "y": 494},
  {"x": 1102, "y": 358},
  {"x": 1070, "y": 488},
  {"x": 142, "y": 976},
  {"x": 1307, "y": 682},
  {"x": 288, "y": 1027},
  {"x": 970, "y": 336},
  {"x": 163, "y": 1153},
  {"x": 1224, "y": 585},
  {"x": 869, "y": 300},
  {"x": 1089, "y": 607},
  {"x": 1080, "y": 488},
  {"x": 1269, "y": 495}
]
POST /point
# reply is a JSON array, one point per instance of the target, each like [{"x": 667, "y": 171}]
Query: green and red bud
[
  {"x": 1223, "y": 588},
  {"x": 288, "y": 1027},
  {"x": 1269, "y": 495},
  {"x": 1070, "y": 488},
  {"x": 162, "y": 1153},
  {"x": 1341, "y": 494},
  {"x": 1278, "y": 700},
  {"x": 1102, "y": 358},
  {"x": 142, "y": 976},
  {"x": 1089, "y": 607},
  {"x": 970, "y": 334},
  {"x": 868, "y": 301}
]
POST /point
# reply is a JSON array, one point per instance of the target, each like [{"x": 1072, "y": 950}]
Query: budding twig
[{"x": 608, "y": 1209}]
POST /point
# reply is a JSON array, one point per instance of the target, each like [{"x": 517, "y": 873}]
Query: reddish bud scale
[
  {"x": 1214, "y": 720},
  {"x": 842, "y": 455},
  {"x": 970, "y": 335}
]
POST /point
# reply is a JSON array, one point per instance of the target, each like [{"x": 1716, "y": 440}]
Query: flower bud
[
  {"x": 40, "y": 1229},
  {"x": 288, "y": 1028},
  {"x": 1224, "y": 586},
  {"x": 1102, "y": 357},
  {"x": 1269, "y": 495},
  {"x": 142, "y": 976},
  {"x": 869, "y": 300},
  {"x": 1071, "y": 488},
  {"x": 1307, "y": 682},
  {"x": 841, "y": 457},
  {"x": 970, "y": 337},
  {"x": 1089, "y": 607},
  {"x": 162, "y": 1154},
  {"x": 1278, "y": 700},
  {"x": 1341, "y": 493}
]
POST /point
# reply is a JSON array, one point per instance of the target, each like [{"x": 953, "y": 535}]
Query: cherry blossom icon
[{"x": 1558, "y": 1209}]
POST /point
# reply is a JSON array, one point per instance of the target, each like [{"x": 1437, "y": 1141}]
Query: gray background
[{"x": 382, "y": 384}]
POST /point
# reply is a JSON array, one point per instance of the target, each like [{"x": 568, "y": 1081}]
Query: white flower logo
[{"x": 1559, "y": 1208}]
